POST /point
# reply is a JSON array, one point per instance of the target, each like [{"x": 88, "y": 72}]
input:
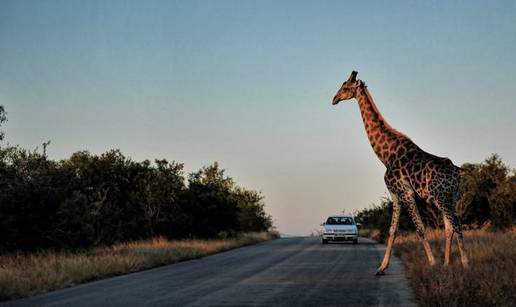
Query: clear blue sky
[{"x": 249, "y": 83}]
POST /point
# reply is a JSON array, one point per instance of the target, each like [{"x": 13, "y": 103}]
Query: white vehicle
[{"x": 340, "y": 228}]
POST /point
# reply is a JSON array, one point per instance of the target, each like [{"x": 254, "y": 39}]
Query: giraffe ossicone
[{"x": 410, "y": 172}]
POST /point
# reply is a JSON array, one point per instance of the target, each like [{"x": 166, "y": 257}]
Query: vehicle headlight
[{"x": 329, "y": 230}]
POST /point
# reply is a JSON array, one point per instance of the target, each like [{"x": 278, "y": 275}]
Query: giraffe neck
[{"x": 384, "y": 139}]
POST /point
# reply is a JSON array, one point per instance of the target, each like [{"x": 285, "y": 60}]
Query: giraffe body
[{"x": 410, "y": 173}]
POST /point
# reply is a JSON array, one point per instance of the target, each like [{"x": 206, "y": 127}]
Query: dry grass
[
  {"x": 490, "y": 280},
  {"x": 24, "y": 274}
]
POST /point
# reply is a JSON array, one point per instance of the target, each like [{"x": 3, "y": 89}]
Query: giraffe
[{"x": 411, "y": 173}]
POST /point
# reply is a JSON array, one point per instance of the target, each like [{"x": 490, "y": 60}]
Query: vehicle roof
[{"x": 341, "y": 215}]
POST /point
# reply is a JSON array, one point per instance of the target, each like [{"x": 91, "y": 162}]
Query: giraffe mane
[{"x": 385, "y": 123}]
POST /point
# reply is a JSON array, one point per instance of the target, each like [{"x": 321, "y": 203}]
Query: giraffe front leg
[
  {"x": 420, "y": 228},
  {"x": 457, "y": 227},
  {"x": 392, "y": 234},
  {"x": 462, "y": 252},
  {"x": 452, "y": 225},
  {"x": 448, "y": 230}
]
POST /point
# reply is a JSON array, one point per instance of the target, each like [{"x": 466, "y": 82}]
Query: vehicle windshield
[{"x": 339, "y": 220}]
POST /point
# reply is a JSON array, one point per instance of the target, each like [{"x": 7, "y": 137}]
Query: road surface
[{"x": 285, "y": 272}]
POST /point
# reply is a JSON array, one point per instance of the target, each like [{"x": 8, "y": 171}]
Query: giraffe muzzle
[{"x": 335, "y": 100}]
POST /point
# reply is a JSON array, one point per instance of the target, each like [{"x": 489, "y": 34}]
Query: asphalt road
[{"x": 285, "y": 272}]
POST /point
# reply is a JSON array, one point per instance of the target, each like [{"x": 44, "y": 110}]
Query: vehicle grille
[{"x": 343, "y": 230}]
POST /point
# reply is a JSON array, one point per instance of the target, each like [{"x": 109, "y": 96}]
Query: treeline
[
  {"x": 90, "y": 200},
  {"x": 487, "y": 199}
]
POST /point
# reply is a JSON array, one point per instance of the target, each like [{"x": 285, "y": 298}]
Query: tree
[
  {"x": 208, "y": 202},
  {"x": 161, "y": 189},
  {"x": 487, "y": 193},
  {"x": 251, "y": 212}
]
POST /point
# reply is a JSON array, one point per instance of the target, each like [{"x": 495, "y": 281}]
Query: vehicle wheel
[
  {"x": 355, "y": 241},
  {"x": 324, "y": 241}
]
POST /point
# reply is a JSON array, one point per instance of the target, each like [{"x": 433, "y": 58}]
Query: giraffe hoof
[{"x": 380, "y": 273}]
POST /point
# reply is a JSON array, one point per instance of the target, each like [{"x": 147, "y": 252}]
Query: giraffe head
[{"x": 348, "y": 88}]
